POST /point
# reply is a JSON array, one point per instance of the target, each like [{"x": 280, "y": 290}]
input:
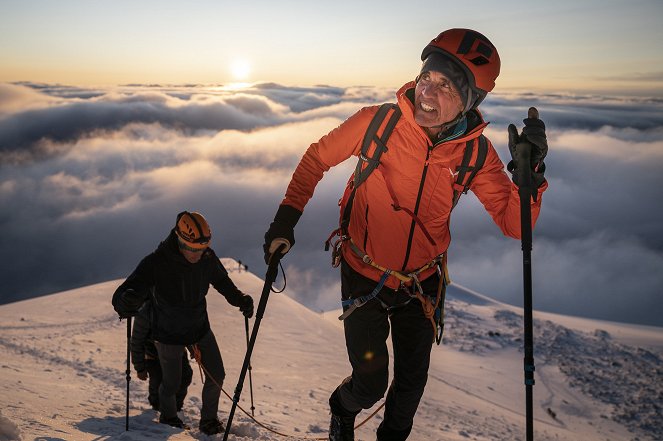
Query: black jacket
[{"x": 177, "y": 289}]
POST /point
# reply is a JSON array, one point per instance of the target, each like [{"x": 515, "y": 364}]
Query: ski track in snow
[{"x": 65, "y": 380}]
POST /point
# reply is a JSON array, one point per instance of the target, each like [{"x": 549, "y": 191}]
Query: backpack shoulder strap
[
  {"x": 371, "y": 135},
  {"x": 462, "y": 185},
  {"x": 361, "y": 173}
]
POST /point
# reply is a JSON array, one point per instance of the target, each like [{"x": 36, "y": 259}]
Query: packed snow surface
[{"x": 63, "y": 362}]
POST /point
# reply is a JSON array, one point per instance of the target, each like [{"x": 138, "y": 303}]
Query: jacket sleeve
[
  {"x": 139, "y": 335},
  {"x": 499, "y": 195},
  {"x": 332, "y": 149},
  {"x": 222, "y": 282},
  {"x": 132, "y": 293}
]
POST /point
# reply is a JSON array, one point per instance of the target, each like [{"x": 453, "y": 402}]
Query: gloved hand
[
  {"x": 126, "y": 314},
  {"x": 281, "y": 231},
  {"x": 127, "y": 302},
  {"x": 246, "y": 306},
  {"x": 534, "y": 133},
  {"x": 142, "y": 375}
]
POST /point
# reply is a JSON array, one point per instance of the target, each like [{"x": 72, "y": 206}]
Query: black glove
[
  {"x": 127, "y": 302},
  {"x": 534, "y": 133},
  {"x": 282, "y": 228},
  {"x": 126, "y": 314},
  {"x": 246, "y": 306}
]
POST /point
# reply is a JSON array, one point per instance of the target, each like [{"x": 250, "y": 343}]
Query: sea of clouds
[{"x": 91, "y": 181}]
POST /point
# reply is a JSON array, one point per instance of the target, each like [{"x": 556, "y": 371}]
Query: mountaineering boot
[
  {"x": 342, "y": 424},
  {"x": 342, "y": 428},
  {"x": 211, "y": 426},
  {"x": 174, "y": 421}
]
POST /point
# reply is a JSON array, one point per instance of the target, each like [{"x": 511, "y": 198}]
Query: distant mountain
[{"x": 64, "y": 361}]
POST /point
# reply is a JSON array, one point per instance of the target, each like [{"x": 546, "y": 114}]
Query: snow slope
[{"x": 63, "y": 358}]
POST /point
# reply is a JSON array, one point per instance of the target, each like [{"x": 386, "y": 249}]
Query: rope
[{"x": 197, "y": 356}]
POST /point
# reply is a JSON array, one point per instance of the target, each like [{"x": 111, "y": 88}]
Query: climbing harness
[{"x": 410, "y": 283}]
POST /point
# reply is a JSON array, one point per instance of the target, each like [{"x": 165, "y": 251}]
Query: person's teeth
[{"x": 427, "y": 108}]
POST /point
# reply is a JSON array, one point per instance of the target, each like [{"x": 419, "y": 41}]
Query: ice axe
[
  {"x": 523, "y": 155},
  {"x": 270, "y": 277}
]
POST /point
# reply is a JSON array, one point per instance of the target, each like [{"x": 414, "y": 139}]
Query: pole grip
[
  {"x": 523, "y": 158},
  {"x": 280, "y": 245}
]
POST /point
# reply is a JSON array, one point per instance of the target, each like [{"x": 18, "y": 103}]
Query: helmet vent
[{"x": 480, "y": 60}]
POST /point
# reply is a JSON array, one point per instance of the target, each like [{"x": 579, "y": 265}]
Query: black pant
[
  {"x": 366, "y": 332},
  {"x": 170, "y": 356},
  {"x": 153, "y": 368}
]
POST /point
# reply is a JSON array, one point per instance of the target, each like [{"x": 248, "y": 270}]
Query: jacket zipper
[{"x": 416, "y": 208}]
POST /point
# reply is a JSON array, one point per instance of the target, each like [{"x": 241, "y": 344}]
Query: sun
[{"x": 240, "y": 70}]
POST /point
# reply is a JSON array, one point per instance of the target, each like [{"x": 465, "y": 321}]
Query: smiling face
[{"x": 436, "y": 102}]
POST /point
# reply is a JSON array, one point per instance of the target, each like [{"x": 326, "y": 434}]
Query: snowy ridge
[
  {"x": 63, "y": 361},
  {"x": 628, "y": 378}
]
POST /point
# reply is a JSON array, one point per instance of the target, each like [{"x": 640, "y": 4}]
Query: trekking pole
[
  {"x": 128, "y": 372},
  {"x": 523, "y": 153},
  {"x": 270, "y": 277},
  {"x": 246, "y": 326}
]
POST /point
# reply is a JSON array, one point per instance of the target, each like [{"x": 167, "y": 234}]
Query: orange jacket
[{"x": 421, "y": 175}]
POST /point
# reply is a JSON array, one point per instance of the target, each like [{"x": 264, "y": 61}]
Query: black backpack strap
[
  {"x": 371, "y": 135},
  {"x": 462, "y": 185}
]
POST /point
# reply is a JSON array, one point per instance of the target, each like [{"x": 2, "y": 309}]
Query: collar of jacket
[{"x": 405, "y": 99}]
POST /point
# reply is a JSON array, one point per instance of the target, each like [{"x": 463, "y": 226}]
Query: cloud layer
[{"x": 90, "y": 182}]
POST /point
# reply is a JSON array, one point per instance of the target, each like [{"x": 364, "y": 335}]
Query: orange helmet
[
  {"x": 193, "y": 230},
  {"x": 475, "y": 54}
]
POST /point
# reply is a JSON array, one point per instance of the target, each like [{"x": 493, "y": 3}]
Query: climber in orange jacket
[{"x": 393, "y": 249}]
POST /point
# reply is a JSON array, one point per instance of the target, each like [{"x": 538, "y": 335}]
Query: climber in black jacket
[{"x": 176, "y": 278}]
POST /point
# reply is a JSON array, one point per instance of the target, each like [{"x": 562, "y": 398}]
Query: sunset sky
[
  {"x": 564, "y": 45},
  {"x": 117, "y": 115}
]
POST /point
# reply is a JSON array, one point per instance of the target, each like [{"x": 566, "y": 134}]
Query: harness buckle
[{"x": 336, "y": 253}]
